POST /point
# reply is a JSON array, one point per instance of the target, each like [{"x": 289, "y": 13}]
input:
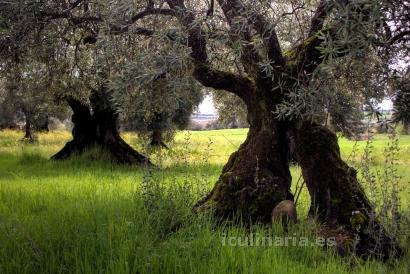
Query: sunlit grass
[{"x": 82, "y": 216}]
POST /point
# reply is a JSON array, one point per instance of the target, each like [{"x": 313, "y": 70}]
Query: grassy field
[{"x": 82, "y": 216}]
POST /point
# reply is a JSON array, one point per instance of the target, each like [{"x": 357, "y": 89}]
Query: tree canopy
[{"x": 281, "y": 58}]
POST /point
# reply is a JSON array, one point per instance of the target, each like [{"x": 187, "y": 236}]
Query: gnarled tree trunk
[
  {"x": 98, "y": 127},
  {"x": 337, "y": 197},
  {"x": 84, "y": 133},
  {"x": 28, "y": 134},
  {"x": 256, "y": 177},
  {"x": 157, "y": 140}
]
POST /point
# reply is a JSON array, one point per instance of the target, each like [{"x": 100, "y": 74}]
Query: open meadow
[{"x": 81, "y": 216}]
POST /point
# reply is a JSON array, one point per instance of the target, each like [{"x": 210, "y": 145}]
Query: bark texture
[
  {"x": 256, "y": 177},
  {"x": 337, "y": 197}
]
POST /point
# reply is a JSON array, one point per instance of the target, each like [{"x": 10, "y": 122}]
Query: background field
[{"x": 93, "y": 216}]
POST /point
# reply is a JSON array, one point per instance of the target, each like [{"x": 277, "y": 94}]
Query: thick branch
[
  {"x": 196, "y": 39},
  {"x": 203, "y": 72},
  {"x": 222, "y": 80},
  {"x": 113, "y": 29},
  {"x": 306, "y": 56},
  {"x": 399, "y": 37},
  {"x": 147, "y": 12},
  {"x": 249, "y": 55},
  {"x": 233, "y": 8},
  {"x": 75, "y": 4},
  {"x": 321, "y": 13}
]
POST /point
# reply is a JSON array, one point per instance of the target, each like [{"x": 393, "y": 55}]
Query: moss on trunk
[
  {"x": 256, "y": 177},
  {"x": 337, "y": 197}
]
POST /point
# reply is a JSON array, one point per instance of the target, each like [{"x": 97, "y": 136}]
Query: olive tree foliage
[
  {"x": 27, "y": 98},
  {"x": 280, "y": 80},
  {"x": 377, "y": 44},
  {"x": 9, "y": 116},
  {"x": 393, "y": 36},
  {"x": 340, "y": 87},
  {"x": 395, "y": 51},
  {"x": 401, "y": 102},
  {"x": 347, "y": 88},
  {"x": 32, "y": 58},
  {"x": 337, "y": 83},
  {"x": 39, "y": 61},
  {"x": 277, "y": 57},
  {"x": 231, "y": 110},
  {"x": 61, "y": 35},
  {"x": 291, "y": 21},
  {"x": 155, "y": 88},
  {"x": 32, "y": 44}
]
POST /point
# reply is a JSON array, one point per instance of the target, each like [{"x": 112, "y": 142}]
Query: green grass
[{"x": 82, "y": 216}]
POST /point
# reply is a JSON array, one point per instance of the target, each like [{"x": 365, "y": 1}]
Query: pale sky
[
  {"x": 207, "y": 105},
  {"x": 387, "y": 104}
]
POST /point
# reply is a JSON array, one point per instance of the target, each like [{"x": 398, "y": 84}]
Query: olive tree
[
  {"x": 231, "y": 110},
  {"x": 156, "y": 91},
  {"x": 272, "y": 56},
  {"x": 274, "y": 79},
  {"x": 401, "y": 103}
]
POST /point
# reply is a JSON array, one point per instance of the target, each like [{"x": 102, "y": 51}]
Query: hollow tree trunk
[
  {"x": 98, "y": 128},
  {"x": 337, "y": 197},
  {"x": 105, "y": 119},
  {"x": 256, "y": 177},
  {"x": 84, "y": 134}
]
